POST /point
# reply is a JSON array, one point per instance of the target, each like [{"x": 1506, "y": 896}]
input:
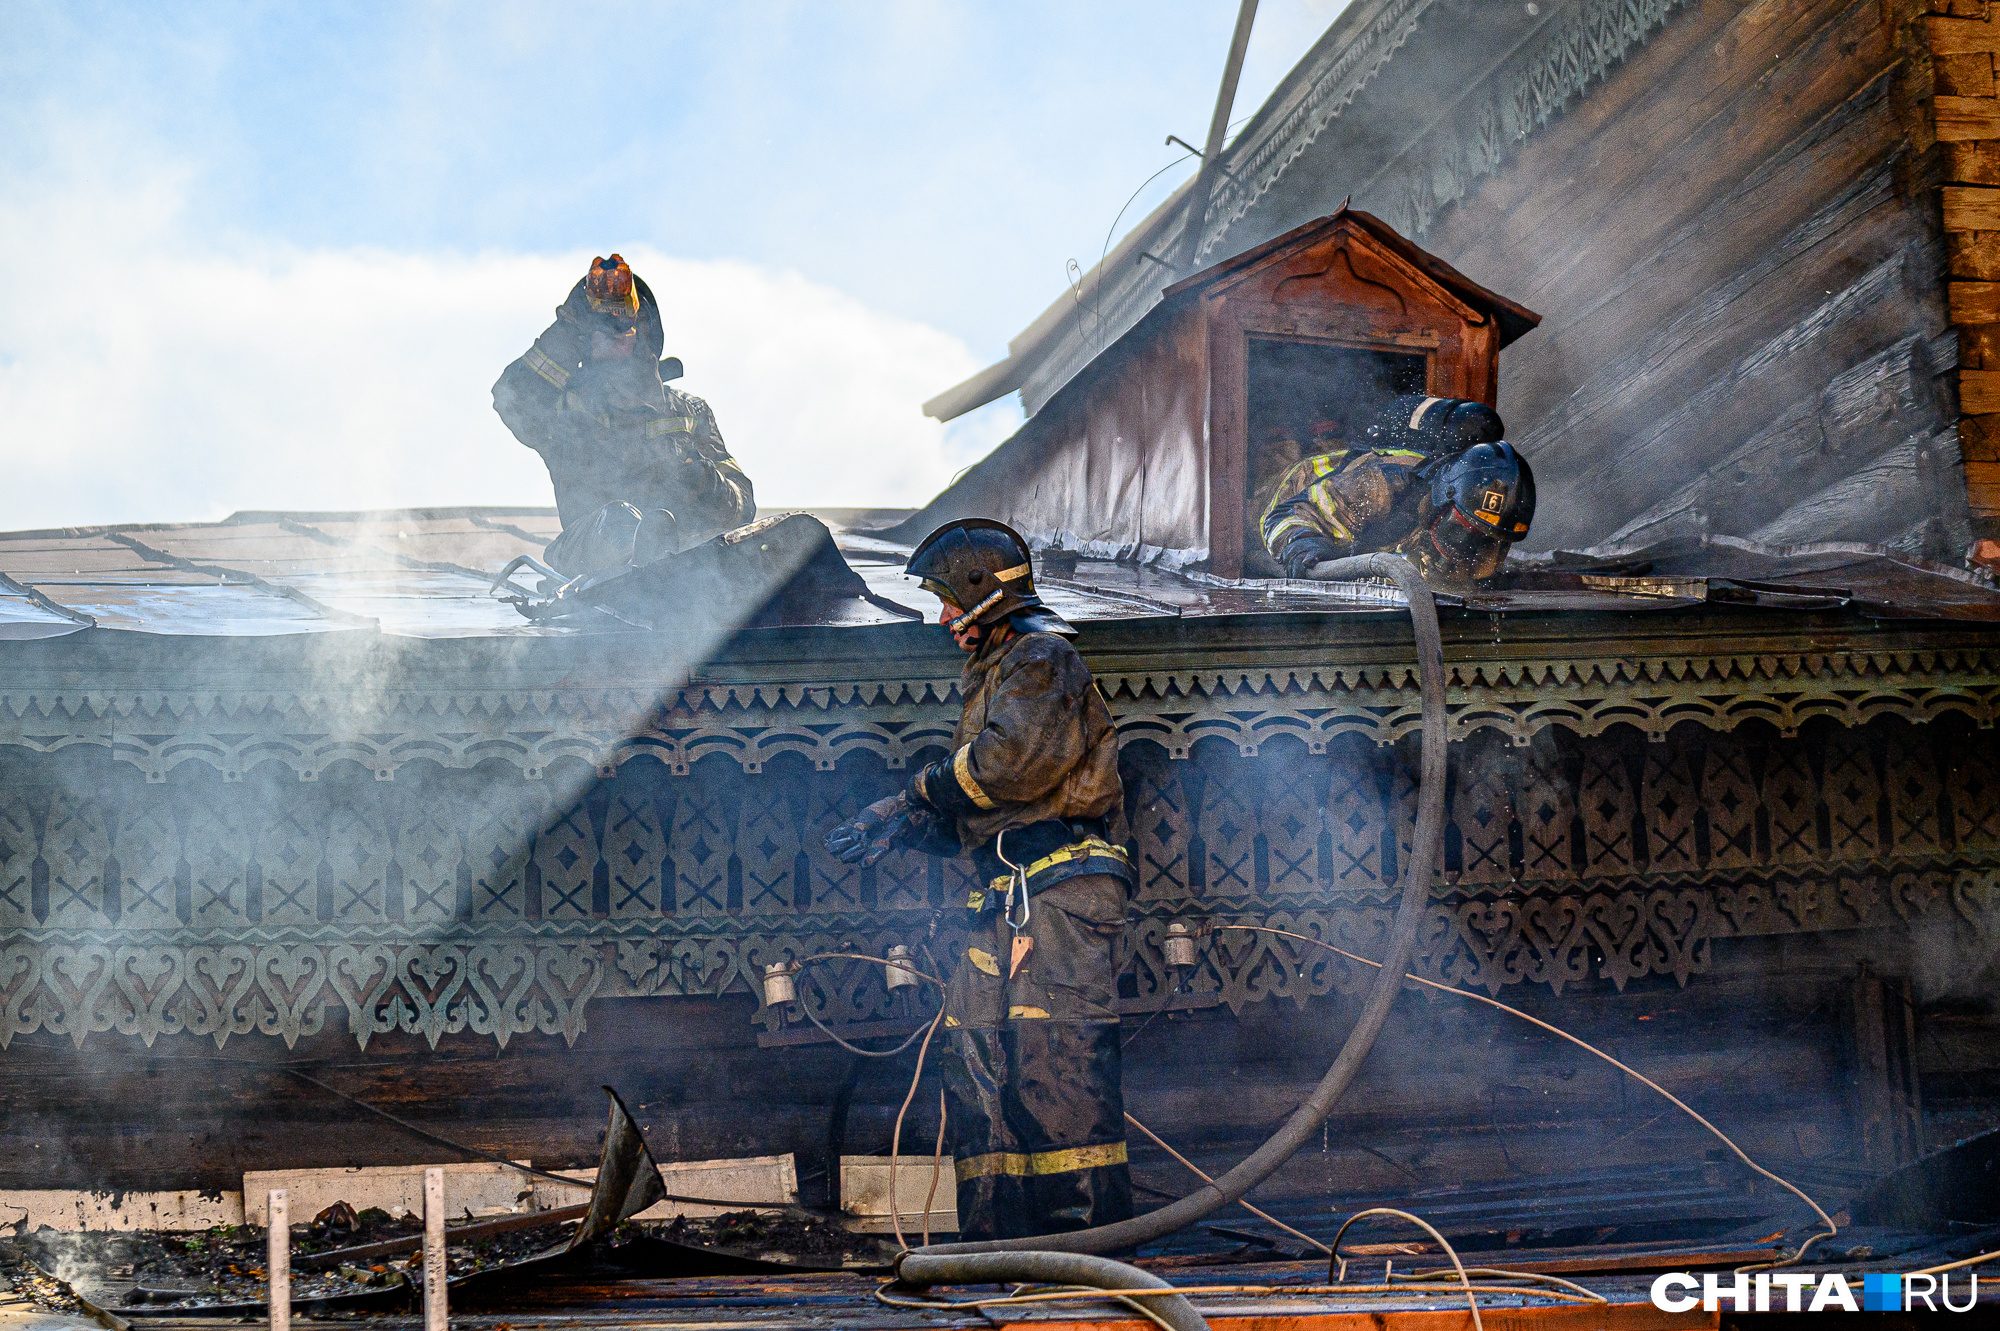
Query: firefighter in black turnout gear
[
  {"x": 1031, "y": 792},
  {"x": 1436, "y": 481},
  {"x": 639, "y": 467}
]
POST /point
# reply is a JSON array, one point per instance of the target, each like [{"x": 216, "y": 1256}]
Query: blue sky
[{"x": 851, "y": 206}]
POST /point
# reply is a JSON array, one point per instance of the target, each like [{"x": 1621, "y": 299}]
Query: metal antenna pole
[{"x": 1211, "y": 156}]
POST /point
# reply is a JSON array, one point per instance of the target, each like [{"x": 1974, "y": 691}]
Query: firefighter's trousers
[{"x": 1036, "y": 1109}]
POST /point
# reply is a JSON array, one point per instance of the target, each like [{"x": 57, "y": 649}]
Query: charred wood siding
[{"x": 1742, "y": 276}]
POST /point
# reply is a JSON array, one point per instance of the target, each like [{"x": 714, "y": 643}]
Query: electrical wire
[
  {"x": 883, "y": 961},
  {"x": 937, "y": 1169},
  {"x": 1464, "y": 1280},
  {"x": 1490, "y": 1272},
  {"x": 1097, "y": 287},
  {"x": 1417, "y": 1287},
  {"x": 1243, "y": 1202},
  {"x": 1953, "y": 1266},
  {"x": 896, "y": 1137},
  {"x": 1827, "y": 1220},
  {"x": 1062, "y": 1292}
]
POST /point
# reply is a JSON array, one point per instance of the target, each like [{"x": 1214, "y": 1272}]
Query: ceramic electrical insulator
[
  {"x": 898, "y": 973},
  {"x": 778, "y": 986},
  {"x": 1180, "y": 945}
]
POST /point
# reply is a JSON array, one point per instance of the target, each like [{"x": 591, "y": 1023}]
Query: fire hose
[{"x": 1038, "y": 1257}]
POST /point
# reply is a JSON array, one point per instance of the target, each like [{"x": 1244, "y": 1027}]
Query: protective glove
[
  {"x": 1304, "y": 552},
  {"x": 873, "y": 833}
]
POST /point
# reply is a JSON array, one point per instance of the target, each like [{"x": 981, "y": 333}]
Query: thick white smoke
[{"x": 150, "y": 374}]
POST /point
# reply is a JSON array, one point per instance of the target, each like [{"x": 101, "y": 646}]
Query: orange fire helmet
[{"x": 609, "y": 287}]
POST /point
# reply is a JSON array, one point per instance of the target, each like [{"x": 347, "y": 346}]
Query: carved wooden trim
[{"x": 162, "y": 732}]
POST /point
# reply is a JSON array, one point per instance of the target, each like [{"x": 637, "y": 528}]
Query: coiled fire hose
[{"x": 1047, "y": 1256}]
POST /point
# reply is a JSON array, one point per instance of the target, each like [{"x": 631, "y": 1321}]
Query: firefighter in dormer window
[
  {"x": 1435, "y": 480},
  {"x": 639, "y": 468}
]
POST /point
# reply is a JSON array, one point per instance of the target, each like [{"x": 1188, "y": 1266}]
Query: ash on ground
[
  {"x": 789, "y": 1237},
  {"x": 224, "y": 1266}
]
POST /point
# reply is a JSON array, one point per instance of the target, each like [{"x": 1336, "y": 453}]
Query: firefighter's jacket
[
  {"x": 1032, "y": 783},
  {"x": 615, "y": 434},
  {"x": 1348, "y": 502}
]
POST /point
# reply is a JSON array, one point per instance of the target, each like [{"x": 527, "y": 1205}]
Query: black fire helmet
[
  {"x": 982, "y": 567},
  {"x": 1436, "y": 425},
  {"x": 1492, "y": 488}
]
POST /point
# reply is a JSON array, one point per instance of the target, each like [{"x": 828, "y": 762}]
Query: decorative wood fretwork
[
  {"x": 453, "y": 901},
  {"x": 165, "y": 733}
]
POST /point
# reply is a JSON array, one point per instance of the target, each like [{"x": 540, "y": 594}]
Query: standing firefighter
[
  {"x": 1031, "y": 790},
  {"x": 639, "y": 468},
  {"x": 1436, "y": 481}
]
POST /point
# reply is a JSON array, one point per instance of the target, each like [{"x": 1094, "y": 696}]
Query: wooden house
[
  {"x": 294, "y": 790},
  {"x": 1166, "y": 444},
  {"x": 1759, "y": 232}
]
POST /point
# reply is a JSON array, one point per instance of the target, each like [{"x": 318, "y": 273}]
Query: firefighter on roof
[
  {"x": 639, "y": 468},
  {"x": 1436, "y": 481},
  {"x": 1031, "y": 792}
]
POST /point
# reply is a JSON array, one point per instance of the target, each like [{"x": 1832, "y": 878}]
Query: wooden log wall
[
  {"x": 1796, "y": 1056},
  {"x": 1961, "y": 38},
  {"x": 1735, "y": 241}
]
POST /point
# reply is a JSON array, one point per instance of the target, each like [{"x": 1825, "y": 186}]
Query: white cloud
[{"x": 148, "y": 374}]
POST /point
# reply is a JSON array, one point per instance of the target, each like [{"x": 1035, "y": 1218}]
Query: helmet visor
[{"x": 1472, "y": 549}]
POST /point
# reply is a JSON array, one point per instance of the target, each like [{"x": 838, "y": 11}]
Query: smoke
[{"x": 147, "y": 373}]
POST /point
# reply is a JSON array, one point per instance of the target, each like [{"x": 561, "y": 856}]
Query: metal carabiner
[{"x": 1017, "y": 886}]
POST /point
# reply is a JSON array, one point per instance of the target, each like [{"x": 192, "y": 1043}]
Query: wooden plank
[
  {"x": 1974, "y": 255},
  {"x": 1979, "y": 439},
  {"x": 1979, "y": 347},
  {"x": 1668, "y": 408},
  {"x": 475, "y": 1188},
  {"x": 1775, "y": 219},
  {"x": 864, "y": 1193},
  {"x": 1970, "y": 208},
  {"x": 1704, "y": 124},
  {"x": 1964, "y": 75},
  {"x": 744, "y": 1183},
  {"x": 1863, "y": 412},
  {"x": 1614, "y": 1262},
  {"x": 1736, "y": 276},
  {"x": 1972, "y": 163},
  {"x": 1961, "y": 36},
  {"x": 1982, "y": 487},
  {"x": 67, "y": 1209},
  {"x": 1979, "y": 392},
  {"x": 1964, "y": 118},
  {"x": 1975, "y": 302}
]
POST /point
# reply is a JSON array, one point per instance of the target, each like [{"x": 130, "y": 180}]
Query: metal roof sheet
[{"x": 427, "y": 574}]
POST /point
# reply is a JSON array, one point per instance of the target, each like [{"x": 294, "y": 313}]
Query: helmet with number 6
[{"x": 1480, "y": 503}]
